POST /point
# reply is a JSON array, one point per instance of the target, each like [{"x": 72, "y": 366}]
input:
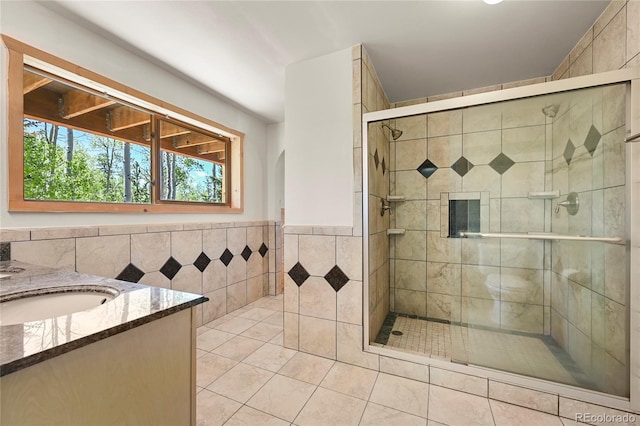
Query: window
[{"x": 80, "y": 142}]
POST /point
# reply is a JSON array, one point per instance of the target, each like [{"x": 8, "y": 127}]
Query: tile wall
[
  {"x": 323, "y": 292},
  {"x": 612, "y": 42},
  {"x": 230, "y": 263},
  {"x": 589, "y": 289},
  {"x": 373, "y": 98},
  {"x": 598, "y": 340},
  {"x": 378, "y": 170},
  {"x": 493, "y": 154}
]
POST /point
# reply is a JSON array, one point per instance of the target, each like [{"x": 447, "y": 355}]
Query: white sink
[{"x": 52, "y": 302}]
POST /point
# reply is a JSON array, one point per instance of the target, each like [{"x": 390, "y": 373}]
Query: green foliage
[
  {"x": 93, "y": 174},
  {"x": 188, "y": 179},
  {"x": 87, "y": 167},
  {"x": 45, "y": 169}
]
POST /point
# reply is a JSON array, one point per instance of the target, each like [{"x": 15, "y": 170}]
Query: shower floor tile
[
  {"x": 527, "y": 355},
  {"x": 426, "y": 337}
]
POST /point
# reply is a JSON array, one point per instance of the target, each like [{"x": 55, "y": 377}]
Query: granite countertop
[{"x": 22, "y": 345}]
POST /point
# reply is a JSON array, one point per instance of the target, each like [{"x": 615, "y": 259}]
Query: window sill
[{"x": 81, "y": 207}]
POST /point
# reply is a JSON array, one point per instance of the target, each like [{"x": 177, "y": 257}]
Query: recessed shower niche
[
  {"x": 464, "y": 216},
  {"x": 489, "y": 272}
]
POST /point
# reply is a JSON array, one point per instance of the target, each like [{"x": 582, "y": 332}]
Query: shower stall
[{"x": 500, "y": 232}]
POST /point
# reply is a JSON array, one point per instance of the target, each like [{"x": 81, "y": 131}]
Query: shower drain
[{"x": 396, "y": 333}]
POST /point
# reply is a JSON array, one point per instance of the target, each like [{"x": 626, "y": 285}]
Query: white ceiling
[{"x": 239, "y": 49}]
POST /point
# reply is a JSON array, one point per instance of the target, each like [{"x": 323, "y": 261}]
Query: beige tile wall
[
  {"x": 379, "y": 163},
  {"x": 108, "y": 250},
  {"x": 588, "y": 281},
  {"x": 321, "y": 318},
  {"x": 493, "y": 283},
  {"x": 612, "y": 43}
]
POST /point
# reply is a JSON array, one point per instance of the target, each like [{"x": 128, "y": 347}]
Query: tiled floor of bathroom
[{"x": 246, "y": 377}]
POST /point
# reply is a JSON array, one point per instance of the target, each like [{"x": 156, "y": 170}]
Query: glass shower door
[{"x": 544, "y": 284}]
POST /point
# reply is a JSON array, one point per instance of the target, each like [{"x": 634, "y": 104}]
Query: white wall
[
  {"x": 319, "y": 141},
  {"x": 38, "y": 26},
  {"x": 275, "y": 170}
]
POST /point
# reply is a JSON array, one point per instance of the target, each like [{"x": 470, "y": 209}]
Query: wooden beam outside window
[
  {"x": 193, "y": 139},
  {"x": 123, "y": 117},
  {"x": 78, "y": 102},
  {"x": 209, "y": 148},
  {"x": 168, "y": 130},
  {"x": 32, "y": 82}
]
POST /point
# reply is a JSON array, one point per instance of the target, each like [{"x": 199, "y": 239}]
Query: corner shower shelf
[
  {"x": 395, "y": 231},
  {"x": 395, "y": 198},
  {"x": 548, "y": 236},
  {"x": 544, "y": 194}
]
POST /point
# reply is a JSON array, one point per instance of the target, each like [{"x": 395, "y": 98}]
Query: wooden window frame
[{"x": 234, "y": 172}]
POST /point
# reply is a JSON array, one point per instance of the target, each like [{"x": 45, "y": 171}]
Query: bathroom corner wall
[
  {"x": 323, "y": 297},
  {"x": 227, "y": 262},
  {"x": 496, "y": 156}
]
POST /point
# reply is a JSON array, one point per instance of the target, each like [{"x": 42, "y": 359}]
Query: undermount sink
[{"x": 36, "y": 305}]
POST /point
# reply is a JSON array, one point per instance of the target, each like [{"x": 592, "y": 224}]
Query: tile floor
[{"x": 246, "y": 377}]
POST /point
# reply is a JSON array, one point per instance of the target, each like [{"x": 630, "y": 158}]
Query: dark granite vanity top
[{"x": 22, "y": 345}]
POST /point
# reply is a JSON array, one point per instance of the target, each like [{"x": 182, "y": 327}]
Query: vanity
[{"x": 126, "y": 358}]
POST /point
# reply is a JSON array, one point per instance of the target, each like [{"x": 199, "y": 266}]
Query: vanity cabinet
[{"x": 142, "y": 376}]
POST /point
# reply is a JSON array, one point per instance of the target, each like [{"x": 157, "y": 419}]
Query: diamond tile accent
[
  {"x": 202, "y": 262},
  {"x": 592, "y": 140},
  {"x": 568, "y": 151},
  {"x": 298, "y": 274},
  {"x": 336, "y": 278},
  {"x": 427, "y": 168},
  {"x": 263, "y": 250},
  {"x": 246, "y": 253},
  {"x": 130, "y": 273},
  {"x": 226, "y": 257},
  {"x": 501, "y": 163},
  {"x": 384, "y": 167},
  {"x": 170, "y": 268},
  {"x": 376, "y": 159},
  {"x": 462, "y": 166}
]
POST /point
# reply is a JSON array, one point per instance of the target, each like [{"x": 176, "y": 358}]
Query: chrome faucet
[
  {"x": 572, "y": 204},
  {"x": 384, "y": 207}
]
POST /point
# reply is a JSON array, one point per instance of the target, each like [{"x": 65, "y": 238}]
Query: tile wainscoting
[
  {"x": 232, "y": 264},
  {"x": 323, "y": 293}
]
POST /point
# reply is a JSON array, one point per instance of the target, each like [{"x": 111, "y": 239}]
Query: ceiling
[{"x": 239, "y": 49}]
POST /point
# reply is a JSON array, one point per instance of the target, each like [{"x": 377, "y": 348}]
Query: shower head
[
  {"x": 395, "y": 133},
  {"x": 551, "y": 110}
]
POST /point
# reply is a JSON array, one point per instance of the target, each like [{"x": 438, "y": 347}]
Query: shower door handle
[{"x": 552, "y": 237}]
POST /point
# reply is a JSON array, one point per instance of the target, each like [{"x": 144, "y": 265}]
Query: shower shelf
[
  {"x": 544, "y": 194},
  {"x": 395, "y": 198},
  {"x": 395, "y": 231},
  {"x": 549, "y": 236}
]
